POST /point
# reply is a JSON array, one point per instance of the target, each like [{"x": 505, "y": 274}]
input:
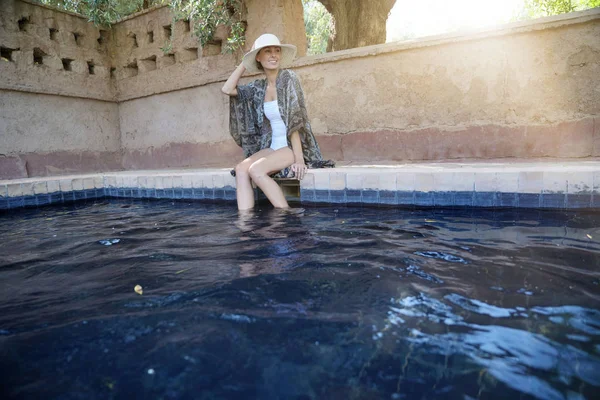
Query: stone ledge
[{"x": 560, "y": 185}]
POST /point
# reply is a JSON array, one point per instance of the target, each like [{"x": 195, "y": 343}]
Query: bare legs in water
[{"x": 257, "y": 168}]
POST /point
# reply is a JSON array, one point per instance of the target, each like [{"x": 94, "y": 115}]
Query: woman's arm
[
  {"x": 299, "y": 167},
  {"x": 230, "y": 87}
]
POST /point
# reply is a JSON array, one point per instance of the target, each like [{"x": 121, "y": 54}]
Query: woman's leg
[
  {"x": 273, "y": 162},
  {"x": 244, "y": 191}
]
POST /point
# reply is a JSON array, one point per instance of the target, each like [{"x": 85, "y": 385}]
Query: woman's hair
[{"x": 258, "y": 64}]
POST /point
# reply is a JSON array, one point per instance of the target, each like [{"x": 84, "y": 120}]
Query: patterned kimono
[{"x": 252, "y": 131}]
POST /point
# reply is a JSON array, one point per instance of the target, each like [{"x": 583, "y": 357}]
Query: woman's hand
[{"x": 299, "y": 169}]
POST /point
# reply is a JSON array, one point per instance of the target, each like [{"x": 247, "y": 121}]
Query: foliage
[
  {"x": 544, "y": 8},
  {"x": 100, "y": 12},
  {"x": 318, "y": 24},
  {"x": 207, "y": 15}
]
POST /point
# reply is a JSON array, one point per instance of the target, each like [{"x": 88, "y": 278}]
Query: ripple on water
[
  {"x": 513, "y": 356},
  {"x": 441, "y": 256}
]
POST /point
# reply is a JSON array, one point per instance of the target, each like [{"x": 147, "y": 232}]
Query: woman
[{"x": 268, "y": 120}]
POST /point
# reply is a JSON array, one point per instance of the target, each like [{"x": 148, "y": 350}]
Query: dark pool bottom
[{"x": 332, "y": 303}]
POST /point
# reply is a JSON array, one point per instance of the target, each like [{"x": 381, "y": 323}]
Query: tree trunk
[{"x": 358, "y": 22}]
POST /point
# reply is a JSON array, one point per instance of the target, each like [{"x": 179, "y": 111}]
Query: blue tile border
[
  {"x": 307, "y": 195},
  {"x": 208, "y": 194},
  {"x": 230, "y": 194},
  {"x": 388, "y": 197},
  {"x": 187, "y": 193},
  {"x": 443, "y": 199},
  {"x": 595, "y": 202},
  {"x": 508, "y": 200},
  {"x": 370, "y": 196},
  {"x": 529, "y": 200},
  {"x": 405, "y": 198},
  {"x": 451, "y": 199},
  {"x": 197, "y": 193},
  {"x": 29, "y": 201},
  {"x": 321, "y": 196},
  {"x": 423, "y": 199},
  {"x": 337, "y": 196},
  {"x": 579, "y": 200},
  {"x": 485, "y": 199},
  {"x": 135, "y": 193},
  {"x": 554, "y": 200},
  {"x": 219, "y": 194},
  {"x": 43, "y": 199},
  {"x": 462, "y": 199},
  {"x": 56, "y": 197},
  {"x": 353, "y": 196},
  {"x": 15, "y": 202},
  {"x": 79, "y": 195}
]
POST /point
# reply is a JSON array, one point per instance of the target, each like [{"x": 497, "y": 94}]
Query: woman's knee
[
  {"x": 242, "y": 168},
  {"x": 255, "y": 171}
]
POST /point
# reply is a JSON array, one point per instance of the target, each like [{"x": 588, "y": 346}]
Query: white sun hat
[{"x": 288, "y": 52}]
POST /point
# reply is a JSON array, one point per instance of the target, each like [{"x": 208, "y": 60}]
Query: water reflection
[
  {"x": 515, "y": 357},
  {"x": 279, "y": 231}
]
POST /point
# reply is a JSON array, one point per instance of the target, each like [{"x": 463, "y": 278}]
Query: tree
[
  {"x": 358, "y": 22},
  {"x": 318, "y": 25},
  {"x": 544, "y": 8}
]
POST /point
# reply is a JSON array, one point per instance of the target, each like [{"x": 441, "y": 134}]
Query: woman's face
[{"x": 269, "y": 57}]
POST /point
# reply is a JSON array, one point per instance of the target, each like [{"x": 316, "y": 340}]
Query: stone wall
[
  {"x": 45, "y": 135},
  {"x": 46, "y": 51},
  {"x": 184, "y": 128},
  {"x": 151, "y": 54},
  {"x": 63, "y": 80},
  {"x": 528, "y": 90},
  {"x": 80, "y": 98},
  {"x": 57, "y": 101}
]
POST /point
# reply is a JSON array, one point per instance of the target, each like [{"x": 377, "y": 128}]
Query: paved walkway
[{"x": 532, "y": 184}]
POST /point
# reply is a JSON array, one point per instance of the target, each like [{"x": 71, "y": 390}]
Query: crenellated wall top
[
  {"x": 45, "y": 50},
  {"x": 49, "y": 51}
]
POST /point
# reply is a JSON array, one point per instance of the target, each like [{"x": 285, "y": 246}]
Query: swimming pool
[{"x": 332, "y": 303}]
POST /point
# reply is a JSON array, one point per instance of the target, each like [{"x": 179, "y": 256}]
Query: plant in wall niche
[
  {"x": 169, "y": 29},
  {"x": 167, "y": 48},
  {"x": 207, "y": 15}
]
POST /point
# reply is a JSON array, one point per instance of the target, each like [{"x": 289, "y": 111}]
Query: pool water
[{"x": 331, "y": 303}]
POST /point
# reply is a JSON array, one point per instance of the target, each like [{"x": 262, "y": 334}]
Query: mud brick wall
[
  {"x": 80, "y": 98},
  {"x": 57, "y": 101}
]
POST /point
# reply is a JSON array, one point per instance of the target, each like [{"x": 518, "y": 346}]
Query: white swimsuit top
[{"x": 279, "y": 139}]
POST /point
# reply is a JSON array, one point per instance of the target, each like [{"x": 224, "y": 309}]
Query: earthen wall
[
  {"x": 527, "y": 90},
  {"x": 75, "y": 97}
]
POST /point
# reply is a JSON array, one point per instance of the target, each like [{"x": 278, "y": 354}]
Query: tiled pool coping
[{"x": 526, "y": 185}]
